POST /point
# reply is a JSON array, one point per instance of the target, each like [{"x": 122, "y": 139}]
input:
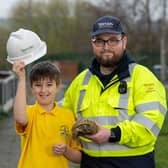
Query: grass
[
  {"x": 3, "y": 115},
  {"x": 164, "y": 130},
  {"x": 161, "y": 152}
]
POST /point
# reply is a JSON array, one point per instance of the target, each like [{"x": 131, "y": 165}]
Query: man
[{"x": 124, "y": 98}]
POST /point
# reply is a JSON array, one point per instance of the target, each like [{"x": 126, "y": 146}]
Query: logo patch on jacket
[{"x": 149, "y": 87}]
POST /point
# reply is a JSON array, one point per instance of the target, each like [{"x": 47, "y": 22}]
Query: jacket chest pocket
[{"x": 122, "y": 104}]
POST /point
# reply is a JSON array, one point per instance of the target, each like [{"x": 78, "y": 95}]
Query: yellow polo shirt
[{"x": 44, "y": 129}]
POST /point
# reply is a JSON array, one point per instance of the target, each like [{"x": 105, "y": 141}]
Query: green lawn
[{"x": 161, "y": 152}]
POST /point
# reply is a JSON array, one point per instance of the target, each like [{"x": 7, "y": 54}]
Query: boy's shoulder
[
  {"x": 31, "y": 107},
  {"x": 64, "y": 109}
]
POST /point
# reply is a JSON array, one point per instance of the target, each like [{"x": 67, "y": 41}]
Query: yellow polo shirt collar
[{"x": 41, "y": 110}]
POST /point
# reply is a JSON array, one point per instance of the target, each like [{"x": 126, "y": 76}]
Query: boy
[{"x": 45, "y": 128}]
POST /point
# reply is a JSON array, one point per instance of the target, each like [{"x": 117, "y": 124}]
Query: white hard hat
[{"x": 25, "y": 45}]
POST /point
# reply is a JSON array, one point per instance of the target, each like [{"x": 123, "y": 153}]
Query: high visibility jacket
[{"x": 139, "y": 111}]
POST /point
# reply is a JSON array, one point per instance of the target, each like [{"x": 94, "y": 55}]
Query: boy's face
[{"x": 45, "y": 91}]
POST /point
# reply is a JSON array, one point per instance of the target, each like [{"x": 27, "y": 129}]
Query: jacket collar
[{"x": 122, "y": 69}]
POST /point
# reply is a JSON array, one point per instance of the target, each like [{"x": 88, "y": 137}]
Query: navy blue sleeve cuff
[{"x": 116, "y": 134}]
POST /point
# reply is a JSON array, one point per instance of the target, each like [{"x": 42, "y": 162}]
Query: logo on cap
[{"x": 105, "y": 24}]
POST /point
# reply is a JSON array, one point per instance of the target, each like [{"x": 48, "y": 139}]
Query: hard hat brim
[{"x": 28, "y": 59}]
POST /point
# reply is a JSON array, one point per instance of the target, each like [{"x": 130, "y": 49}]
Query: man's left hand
[{"x": 101, "y": 136}]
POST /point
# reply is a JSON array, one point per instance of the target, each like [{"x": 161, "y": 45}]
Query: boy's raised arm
[{"x": 20, "y": 115}]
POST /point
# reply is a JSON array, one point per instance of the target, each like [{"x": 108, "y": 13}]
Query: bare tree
[
  {"x": 162, "y": 43},
  {"x": 66, "y": 28}
]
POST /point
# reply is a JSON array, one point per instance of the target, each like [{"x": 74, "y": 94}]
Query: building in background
[
  {"x": 7, "y": 90},
  {"x": 69, "y": 70},
  {"x": 157, "y": 70}
]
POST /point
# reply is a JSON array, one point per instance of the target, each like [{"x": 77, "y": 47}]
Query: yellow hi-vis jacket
[{"x": 139, "y": 112}]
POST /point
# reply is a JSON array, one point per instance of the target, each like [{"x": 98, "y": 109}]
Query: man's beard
[{"x": 115, "y": 60}]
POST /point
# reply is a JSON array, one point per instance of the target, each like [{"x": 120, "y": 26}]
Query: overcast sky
[{"x": 5, "y": 7}]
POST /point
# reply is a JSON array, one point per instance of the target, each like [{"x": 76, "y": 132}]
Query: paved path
[{"x": 9, "y": 143}]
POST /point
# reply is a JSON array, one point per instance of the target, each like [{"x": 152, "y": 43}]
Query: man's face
[{"x": 109, "y": 48}]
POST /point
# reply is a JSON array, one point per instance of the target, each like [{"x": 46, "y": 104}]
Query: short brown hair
[{"x": 44, "y": 70}]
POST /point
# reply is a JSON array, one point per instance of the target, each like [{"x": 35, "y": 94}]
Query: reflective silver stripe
[
  {"x": 131, "y": 68},
  {"x": 147, "y": 123},
  {"x": 103, "y": 147},
  {"x": 155, "y": 129},
  {"x": 82, "y": 93},
  {"x": 123, "y": 102},
  {"x": 151, "y": 106},
  {"x": 110, "y": 120}
]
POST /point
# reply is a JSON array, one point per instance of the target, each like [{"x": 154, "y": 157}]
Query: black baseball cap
[{"x": 107, "y": 24}]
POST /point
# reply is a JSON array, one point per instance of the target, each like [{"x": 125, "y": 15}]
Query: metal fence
[{"x": 8, "y": 83}]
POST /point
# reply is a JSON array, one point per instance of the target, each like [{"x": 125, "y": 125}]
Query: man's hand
[
  {"x": 101, "y": 136},
  {"x": 84, "y": 127},
  {"x": 91, "y": 130}
]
